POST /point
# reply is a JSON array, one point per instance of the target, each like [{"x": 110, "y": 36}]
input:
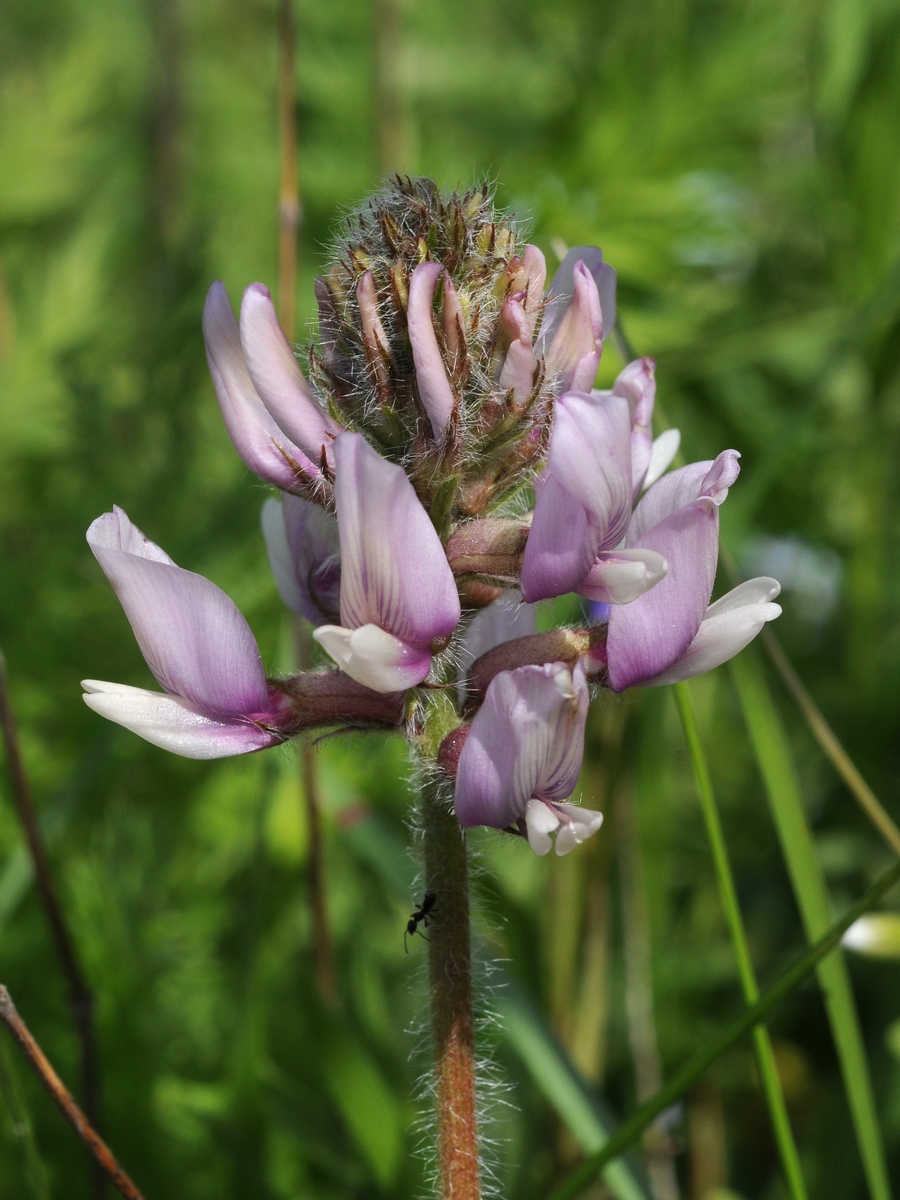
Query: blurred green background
[{"x": 738, "y": 162}]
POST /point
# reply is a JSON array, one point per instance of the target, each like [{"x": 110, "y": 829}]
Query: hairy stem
[{"x": 450, "y": 980}]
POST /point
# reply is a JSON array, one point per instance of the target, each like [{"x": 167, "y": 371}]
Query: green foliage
[{"x": 737, "y": 163}]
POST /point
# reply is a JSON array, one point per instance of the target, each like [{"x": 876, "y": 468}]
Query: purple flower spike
[
  {"x": 216, "y": 701},
  {"x": 261, "y": 444},
  {"x": 583, "y": 508},
  {"x": 660, "y": 637},
  {"x": 523, "y": 755},
  {"x": 278, "y": 379},
  {"x": 398, "y": 595},
  {"x": 574, "y": 347},
  {"x": 304, "y": 554},
  {"x": 435, "y": 391}
]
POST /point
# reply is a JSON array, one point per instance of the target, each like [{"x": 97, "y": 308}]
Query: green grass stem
[
  {"x": 695, "y": 1067},
  {"x": 762, "y": 1043}
]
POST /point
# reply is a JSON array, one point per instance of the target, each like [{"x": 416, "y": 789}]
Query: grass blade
[
  {"x": 688, "y": 1074},
  {"x": 765, "y": 1057},
  {"x": 776, "y": 765},
  {"x": 561, "y": 1084}
]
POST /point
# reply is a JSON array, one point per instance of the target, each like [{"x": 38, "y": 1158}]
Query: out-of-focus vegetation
[{"x": 739, "y": 164}]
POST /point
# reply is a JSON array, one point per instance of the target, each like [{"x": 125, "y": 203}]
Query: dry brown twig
[{"x": 63, "y": 1098}]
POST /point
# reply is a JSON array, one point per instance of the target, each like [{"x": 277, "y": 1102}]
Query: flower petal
[
  {"x": 562, "y": 288},
  {"x": 278, "y": 379},
  {"x": 261, "y": 444},
  {"x": 541, "y": 819},
  {"x": 678, "y": 488},
  {"x": 435, "y": 391},
  {"x": 193, "y": 637},
  {"x": 585, "y": 501},
  {"x": 662, "y": 453},
  {"x": 374, "y": 658},
  {"x": 560, "y": 547},
  {"x": 173, "y": 723},
  {"x": 574, "y": 353},
  {"x": 620, "y": 576},
  {"x": 637, "y": 384},
  {"x": 651, "y": 633},
  {"x": 526, "y": 740},
  {"x": 720, "y": 637},
  {"x": 534, "y": 266},
  {"x": 394, "y": 572},
  {"x": 303, "y": 548},
  {"x": 577, "y": 824}
]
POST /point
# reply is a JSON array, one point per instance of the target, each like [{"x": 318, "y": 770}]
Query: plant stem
[
  {"x": 81, "y": 999},
  {"x": 450, "y": 980},
  {"x": 765, "y": 1057},
  {"x": 63, "y": 1098},
  {"x": 695, "y": 1067},
  {"x": 288, "y": 187}
]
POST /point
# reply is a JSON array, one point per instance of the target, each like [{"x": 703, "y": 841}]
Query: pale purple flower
[
  {"x": 303, "y": 547},
  {"x": 521, "y": 759},
  {"x": 584, "y": 506},
  {"x": 398, "y": 594},
  {"x": 434, "y": 387},
  {"x": 262, "y": 445},
  {"x": 279, "y": 381},
  {"x": 671, "y": 633},
  {"x": 216, "y": 701}
]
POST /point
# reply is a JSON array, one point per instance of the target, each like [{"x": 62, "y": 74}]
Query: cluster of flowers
[{"x": 447, "y": 387}]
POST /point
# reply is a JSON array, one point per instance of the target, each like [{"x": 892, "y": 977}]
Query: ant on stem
[{"x": 420, "y": 916}]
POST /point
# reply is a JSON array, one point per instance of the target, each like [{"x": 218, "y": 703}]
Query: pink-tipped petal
[
  {"x": 573, "y": 355},
  {"x": 303, "y": 548},
  {"x": 526, "y": 741},
  {"x": 375, "y": 658},
  {"x": 649, "y": 635},
  {"x": 173, "y": 723},
  {"x": 260, "y": 442},
  {"x": 620, "y": 576},
  {"x": 394, "y": 572},
  {"x": 191, "y": 634},
  {"x": 278, "y": 379},
  {"x": 435, "y": 391},
  {"x": 698, "y": 480}
]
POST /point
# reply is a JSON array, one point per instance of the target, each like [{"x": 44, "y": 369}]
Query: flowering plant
[{"x": 444, "y": 464}]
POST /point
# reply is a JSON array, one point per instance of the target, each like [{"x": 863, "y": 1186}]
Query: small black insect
[{"x": 419, "y": 917}]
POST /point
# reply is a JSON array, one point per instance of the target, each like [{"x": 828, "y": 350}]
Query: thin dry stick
[
  {"x": 828, "y": 740},
  {"x": 63, "y": 1098},
  {"x": 81, "y": 999},
  {"x": 288, "y": 189}
]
